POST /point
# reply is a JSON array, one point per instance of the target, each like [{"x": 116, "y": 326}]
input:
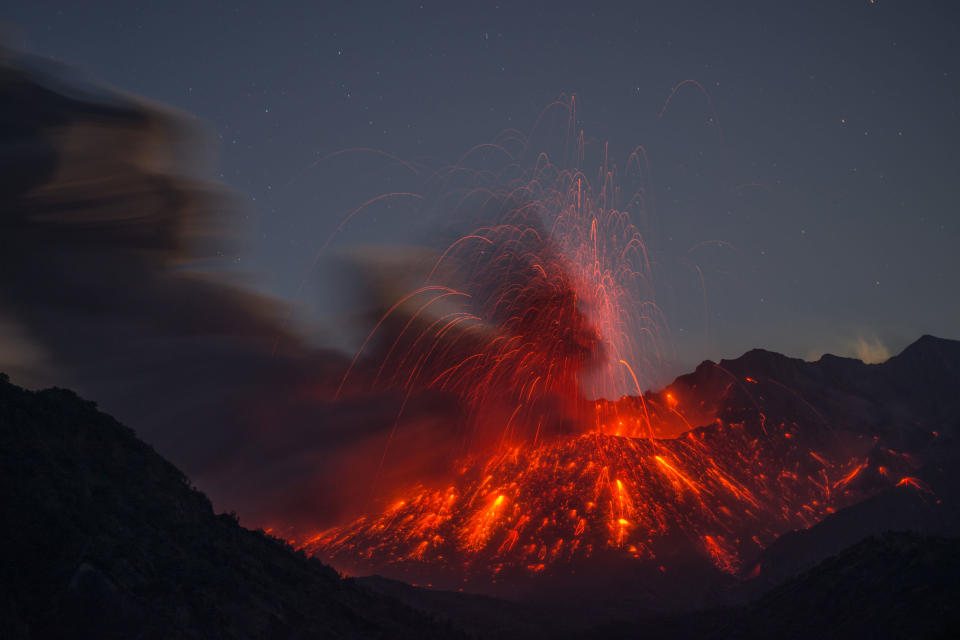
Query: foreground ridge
[{"x": 103, "y": 538}]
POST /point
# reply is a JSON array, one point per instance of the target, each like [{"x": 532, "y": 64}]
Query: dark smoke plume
[{"x": 108, "y": 232}]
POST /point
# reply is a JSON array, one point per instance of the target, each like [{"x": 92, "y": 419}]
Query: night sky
[{"x": 824, "y": 150}]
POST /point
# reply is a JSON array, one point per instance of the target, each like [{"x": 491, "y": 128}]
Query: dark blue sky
[{"x": 828, "y": 159}]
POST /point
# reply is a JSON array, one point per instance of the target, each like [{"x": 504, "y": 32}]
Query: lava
[{"x": 725, "y": 489}]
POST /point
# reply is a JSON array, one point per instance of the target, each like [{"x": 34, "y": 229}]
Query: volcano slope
[
  {"x": 670, "y": 523},
  {"x": 100, "y": 537}
]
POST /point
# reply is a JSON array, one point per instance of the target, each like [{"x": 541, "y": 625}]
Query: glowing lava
[{"x": 725, "y": 490}]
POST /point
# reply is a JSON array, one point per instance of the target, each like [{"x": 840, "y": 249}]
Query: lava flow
[
  {"x": 528, "y": 321},
  {"x": 725, "y": 490}
]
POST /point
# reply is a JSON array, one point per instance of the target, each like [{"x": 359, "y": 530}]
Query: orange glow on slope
[
  {"x": 721, "y": 557},
  {"x": 916, "y": 483},
  {"x": 845, "y": 480}
]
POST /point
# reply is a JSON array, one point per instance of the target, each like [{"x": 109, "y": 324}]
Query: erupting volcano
[{"x": 535, "y": 319}]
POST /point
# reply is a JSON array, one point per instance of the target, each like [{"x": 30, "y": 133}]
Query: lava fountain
[{"x": 545, "y": 306}]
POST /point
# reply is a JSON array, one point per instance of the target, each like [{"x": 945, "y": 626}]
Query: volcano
[
  {"x": 783, "y": 443},
  {"x": 541, "y": 322}
]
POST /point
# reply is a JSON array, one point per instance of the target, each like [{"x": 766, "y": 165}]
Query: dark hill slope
[
  {"x": 903, "y": 400},
  {"x": 934, "y": 512},
  {"x": 899, "y": 585},
  {"x": 101, "y": 537}
]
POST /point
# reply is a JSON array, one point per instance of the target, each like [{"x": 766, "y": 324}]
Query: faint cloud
[
  {"x": 20, "y": 357},
  {"x": 871, "y": 350},
  {"x": 867, "y": 348}
]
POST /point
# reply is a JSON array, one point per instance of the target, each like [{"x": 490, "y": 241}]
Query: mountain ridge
[{"x": 103, "y": 538}]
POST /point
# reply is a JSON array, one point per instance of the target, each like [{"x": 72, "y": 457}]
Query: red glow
[{"x": 916, "y": 483}]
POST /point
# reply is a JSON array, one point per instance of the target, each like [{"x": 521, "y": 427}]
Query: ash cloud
[{"x": 107, "y": 235}]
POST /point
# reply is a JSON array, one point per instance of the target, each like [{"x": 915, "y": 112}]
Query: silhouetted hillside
[
  {"x": 904, "y": 508},
  {"x": 904, "y": 399},
  {"x": 899, "y": 585},
  {"x": 102, "y": 538}
]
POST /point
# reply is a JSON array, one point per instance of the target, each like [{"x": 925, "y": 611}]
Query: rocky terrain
[{"x": 103, "y": 538}]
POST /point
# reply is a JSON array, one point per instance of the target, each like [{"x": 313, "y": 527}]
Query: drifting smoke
[
  {"x": 108, "y": 237},
  {"x": 868, "y": 348},
  {"x": 871, "y": 350},
  {"x": 111, "y": 241}
]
